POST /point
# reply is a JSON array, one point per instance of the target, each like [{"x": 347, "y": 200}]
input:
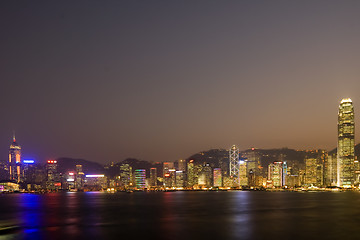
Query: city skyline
[
  {"x": 160, "y": 81},
  {"x": 253, "y": 169}
]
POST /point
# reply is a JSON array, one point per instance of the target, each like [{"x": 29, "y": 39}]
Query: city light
[
  {"x": 29, "y": 161},
  {"x": 95, "y": 175}
]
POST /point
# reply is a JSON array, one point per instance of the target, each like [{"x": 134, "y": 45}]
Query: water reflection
[
  {"x": 181, "y": 215},
  {"x": 30, "y": 215},
  {"x": 240, "y": 210}
]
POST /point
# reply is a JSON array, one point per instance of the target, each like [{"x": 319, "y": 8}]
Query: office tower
[
  {"x": 205, "y": 176},
  {"x": 284, "y": 173},
  {"x": 243, "y": 173},
  {"x": 234, "y": 165},
  {"x": 275, "y": 174},
  {"x": 331, "y": 169},
  {"x": 315, "y": 162},
  {"x": 167, "y": 166},
  {"x": 95, "y": 182},
  {"x": 153, "y": 177},
  {"x": 191, "y": 179},
  {"x": 254, "y": 169},
  {"x": 217, "y": 177},
  {"x": 53, "y": 178},
  {"x": 322, "y": 160},
  {"x": 140, "y": 177},
  {"x": 180, "y": 179},
  {"x": 28, "y": 171},
  {"x": 182, "y": 165},
  {"x": 15, "y": 161},
  {"x": 310, "y": 172},
  {"x": 70, "y": 183},
  {"x": 125, "y": 175},
  {"x": 79, "y": 178},
  {"x": 346, "y": 145}
]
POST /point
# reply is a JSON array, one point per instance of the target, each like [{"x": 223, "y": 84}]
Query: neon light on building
[
  {"x": 140, "y": 176},
  {"x": 95, "y": 176},
  {"x": 29, "y": 161}
]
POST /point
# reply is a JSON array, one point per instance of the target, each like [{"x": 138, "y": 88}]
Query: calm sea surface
[{"x": 182, "y": 215}]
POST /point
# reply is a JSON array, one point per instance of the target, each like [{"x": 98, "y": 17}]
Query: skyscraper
[
  {"x": 234, "y": 165},
  {"x": 275, "y": 173},
  {"x": 181, "y": 165},
  {"x": 217, "y": 177},
  {"x": 15, "y": 161},
  {"x": 53, "y": 178},
  {"x": 140, "y": 176},
  {"x": 153, "y": 177},
  {"x": 126, "y": 175},
  {"x": 346, "y": 144},
  {"x": 191, "y": 178}
]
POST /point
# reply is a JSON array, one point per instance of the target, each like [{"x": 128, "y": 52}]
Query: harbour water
[{"x": 181, "y": 215}]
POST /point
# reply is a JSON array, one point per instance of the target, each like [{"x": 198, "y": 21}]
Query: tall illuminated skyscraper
[
  {"x": 234, "y": 165},
  {"x": 140, "y": 176},
  {"x": 191, "y": 178},
  {"x": 217, "y": 177},
  {"x": 53, "y": 182},
  {"x": 153, "y": 177},
  {"x": 346, "y": 144},
  {"x": 275, "y": 173},
  {"x": 15, "y": 161}
]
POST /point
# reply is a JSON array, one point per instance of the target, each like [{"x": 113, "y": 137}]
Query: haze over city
[{"x": 105, "y": 81}]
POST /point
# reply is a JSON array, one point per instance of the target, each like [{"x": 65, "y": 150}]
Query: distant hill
[
  {"x": 213, "y": 156},
  {"x": 69, "y": 164},
  {"x": 220, "y": 157}
]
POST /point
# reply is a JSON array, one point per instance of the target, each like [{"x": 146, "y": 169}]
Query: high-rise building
[
  {"x": 275, "y": 174},
  {"x": 191, "y": 178},
  {"x": 79, "y": 177},
  {"x": 234, "y": 165},
  {"x": 182, "y": 165},
  {"x": 330, "y": 170},
  {"x": 346, "y": 144},
  {"x": 166, "y": 167},
  {"x": 126, "y": 175},
  {"x": 217, "y": 177},
  {"x": 140, "y": 177},
  {"x": 53, "y": 178},
  {"x": 205, "y": 176},
  {"x": 95, "y": 182},
  {"x": 28, "y": 171},
  {"x": 15, "y": 161},
  {"x": 153, "y": 177},
  {"x": 180, "y": 179},
  {"x": 254, "y": 168},
  {"x": 284, "y": 173},
  {"x": 243, "y": 176},
  {"x": 310, "y": 172}
]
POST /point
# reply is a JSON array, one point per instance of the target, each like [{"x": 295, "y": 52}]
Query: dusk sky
[{"x": 161, "y": 80}]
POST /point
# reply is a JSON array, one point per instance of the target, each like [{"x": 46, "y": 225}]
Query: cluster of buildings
[
  {"x": 31, "y": 176},
  {"x": 237, "y": 170},
  {"x": 319, "y": 169}
]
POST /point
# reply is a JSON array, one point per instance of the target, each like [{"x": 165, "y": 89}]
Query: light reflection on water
[{"x": 182, "y": 215}]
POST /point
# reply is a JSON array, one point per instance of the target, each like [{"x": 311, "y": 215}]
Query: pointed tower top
[{"x": 14, "y": 139}]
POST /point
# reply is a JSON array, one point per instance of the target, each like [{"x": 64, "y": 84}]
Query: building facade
[
  {"x": 15, "y": 161},
  {"x": 346, "y": 144}
]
